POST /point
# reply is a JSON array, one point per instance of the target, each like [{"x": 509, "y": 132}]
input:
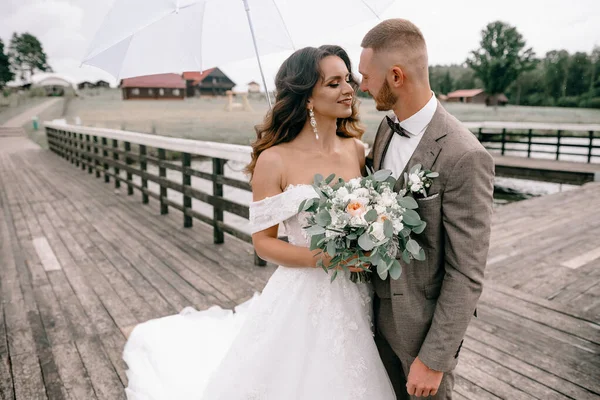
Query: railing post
[
  {"x": 162, "y": 173},
  {"x": 66, "y": 146},
  {"x": 259, "y": 261},
  {"x": 529, "y": 143},
  {"x": 218, "y": 171},
  {"x": 74, "y": 137},
  {"x": 96, "y": 154},
  {"x": 115, "y": 145},
  {"x": 503, "y": 148},
  {"x": 558, "y": 133},
  {"x": 129, "y": 174},
  {"x": 89, "y": 153},
  {"x": 589, "y": 155},
  {"x": 82, "y": 146},
  {"x": 104, "y": 142},
  {"x": 71, "y": 145},
  {"x": 144, "y": 168},
  {"x": 186, "y": 163}
]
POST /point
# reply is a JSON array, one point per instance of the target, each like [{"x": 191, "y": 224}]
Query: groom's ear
[{"x": 397, "y": 76}]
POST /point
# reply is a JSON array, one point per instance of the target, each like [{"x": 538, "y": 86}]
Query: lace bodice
[{"x": 283, "y": 209}]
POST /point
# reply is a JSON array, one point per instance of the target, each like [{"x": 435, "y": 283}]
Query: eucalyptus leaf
[
  {"x": 420, "y": 228},
  {"x": 315, "y": 230},
  {"x": 315, "y": 240},
  {"x": 352, "y": 236},
  {"x": 374, "y": 258},
  {"x": 382, "y": 175},
  {"x": 413, "y": 247},
  {"x": 323, "y": 218},
  {"x": 415, "y": 168},
  {"x": 421, "y": 255},
  {"x": 331, "y": 248},
  {"x": 329, "y": 179},
  {"x": 335, "y": 272},
  {"x": 365, "y": 242},
  {"x": 432, "y": 175},
  {"x": 408, "y": 203},
  {"x": 301, "y": 206},
  {"x": 307, "y": 204},
  {"x": 318, "y": 179},
  {"x": 371, "y": 215},
  {"x": 406, "y": 256},
  {"x": 388, "y": 228},
  {"x": 396, "y": 270},
  {"x": 411, "y": 218}
]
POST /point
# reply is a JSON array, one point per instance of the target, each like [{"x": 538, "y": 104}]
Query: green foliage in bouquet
[{"x": 363, "y": 223}]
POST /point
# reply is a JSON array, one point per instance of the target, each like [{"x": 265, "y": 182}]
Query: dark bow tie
[{"x": 395, "y": 126}]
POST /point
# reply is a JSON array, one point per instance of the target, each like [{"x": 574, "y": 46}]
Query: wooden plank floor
[{"x": 81, "y": 265}]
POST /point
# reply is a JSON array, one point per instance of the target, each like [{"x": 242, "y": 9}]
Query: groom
[{"x": 422, "y": 317}]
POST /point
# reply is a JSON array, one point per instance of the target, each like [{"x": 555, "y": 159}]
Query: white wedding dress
[{"x": 302, "y": 338}]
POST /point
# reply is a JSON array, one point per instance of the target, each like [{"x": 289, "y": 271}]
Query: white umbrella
[{"x": 144, "y": 37}]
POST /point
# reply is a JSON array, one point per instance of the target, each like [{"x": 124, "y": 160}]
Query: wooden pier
[{"x": 83, "y": 262}]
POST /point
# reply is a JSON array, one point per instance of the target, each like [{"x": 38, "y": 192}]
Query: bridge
[{"x": 112, "y": 228}]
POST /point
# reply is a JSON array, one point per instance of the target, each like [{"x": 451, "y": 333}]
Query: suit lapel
[
  {"x": 428, "y": 148},
  {"x": 384, "y": 137}
]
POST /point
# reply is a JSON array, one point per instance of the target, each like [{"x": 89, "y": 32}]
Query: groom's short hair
[
  {"x": 394, "y": 34},
  {"x": 402, "y": 37}
]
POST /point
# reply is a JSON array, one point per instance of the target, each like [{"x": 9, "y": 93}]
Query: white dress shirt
[{"x": 402, "y": 148}]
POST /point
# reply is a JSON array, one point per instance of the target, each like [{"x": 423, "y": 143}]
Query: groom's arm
[{"x": 467, "y": 210}]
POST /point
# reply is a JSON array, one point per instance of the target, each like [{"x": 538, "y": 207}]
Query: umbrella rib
[
  {"x": 284, "y": 25},
  {"x": 370, "y": 8}
]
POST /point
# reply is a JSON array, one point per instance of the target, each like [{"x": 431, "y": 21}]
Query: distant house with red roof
[
  {"x": 212, "y": 82},
  {"x": 157, "y": 87},
  {"x": 476, "y": 96}
]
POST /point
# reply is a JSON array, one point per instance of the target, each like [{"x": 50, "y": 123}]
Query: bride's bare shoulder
[{"x": 268, "y": 174}]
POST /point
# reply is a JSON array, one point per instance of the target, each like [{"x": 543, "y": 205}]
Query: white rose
[
  {"x": 380, "y": 209},
  {"x": 398, "y": 225},
  {"x": 342, "y": 192},
  {"x": 377, "y": 231},
  {"x": 414, "y": 179},
  {"x": 387, "y": 199},
  {"x": 361, "y": 192},
  {"x": 416, "y": 187},
  {"x": 354, "y": 183}
]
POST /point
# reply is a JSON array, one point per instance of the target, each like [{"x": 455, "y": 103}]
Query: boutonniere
[{"x": 417, "y": 181}]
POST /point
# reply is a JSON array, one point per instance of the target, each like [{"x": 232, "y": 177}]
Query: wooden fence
[
  {"x": 107, "y": 152},
  {"x": 576, "y": 141}
]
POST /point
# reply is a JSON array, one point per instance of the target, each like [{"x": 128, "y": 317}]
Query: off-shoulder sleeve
[{"x": 271, "y": 211}]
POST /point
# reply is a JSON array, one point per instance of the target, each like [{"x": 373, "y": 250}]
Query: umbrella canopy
[{"x": 143, "y": 37}]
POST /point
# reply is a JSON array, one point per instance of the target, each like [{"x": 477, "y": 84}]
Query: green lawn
[{"x": 206, "y": 119}]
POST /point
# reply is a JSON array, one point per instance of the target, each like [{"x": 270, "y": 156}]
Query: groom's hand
[{"x": 423, "y": 381}]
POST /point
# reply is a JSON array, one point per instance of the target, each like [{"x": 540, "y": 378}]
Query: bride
[{"x": 303, "y": 337}]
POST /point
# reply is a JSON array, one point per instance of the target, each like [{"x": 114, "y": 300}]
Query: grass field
[{"x": 206, "y": 118}]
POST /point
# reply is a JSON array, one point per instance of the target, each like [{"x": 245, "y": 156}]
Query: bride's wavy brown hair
[{"x": 294, "y": 84}]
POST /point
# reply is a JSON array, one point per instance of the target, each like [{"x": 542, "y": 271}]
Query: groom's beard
[{"x": 385, "y": 99}]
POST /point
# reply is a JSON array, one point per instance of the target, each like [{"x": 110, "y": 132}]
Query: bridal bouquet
[{"x": 363, "y": 222}]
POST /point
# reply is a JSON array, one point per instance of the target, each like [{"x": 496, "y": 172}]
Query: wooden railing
[
  {"x": 572, "y": 142},
  {"x": 120, "y": 155}
]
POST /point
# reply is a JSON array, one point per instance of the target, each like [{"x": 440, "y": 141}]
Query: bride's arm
[{"x": 267, "y": 181}]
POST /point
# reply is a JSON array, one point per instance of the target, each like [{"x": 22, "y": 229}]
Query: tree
[
  {"x": 6, "y": 74},
  {"x": 27, "y": 56},
  {"x": 556, "y": 68},
  {"x": 446, "y": 84},
  {"x": 578, "y": 76},
  {"x": 501, "y": 58}
]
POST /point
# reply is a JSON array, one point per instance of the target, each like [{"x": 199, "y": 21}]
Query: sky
[{"x": 451, "y": 28}]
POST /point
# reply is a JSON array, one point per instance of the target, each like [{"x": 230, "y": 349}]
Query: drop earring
[{"x": 313, "y": 122}]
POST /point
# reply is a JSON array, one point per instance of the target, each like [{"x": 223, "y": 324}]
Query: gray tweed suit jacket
[{"x": 434, "y": 300}]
